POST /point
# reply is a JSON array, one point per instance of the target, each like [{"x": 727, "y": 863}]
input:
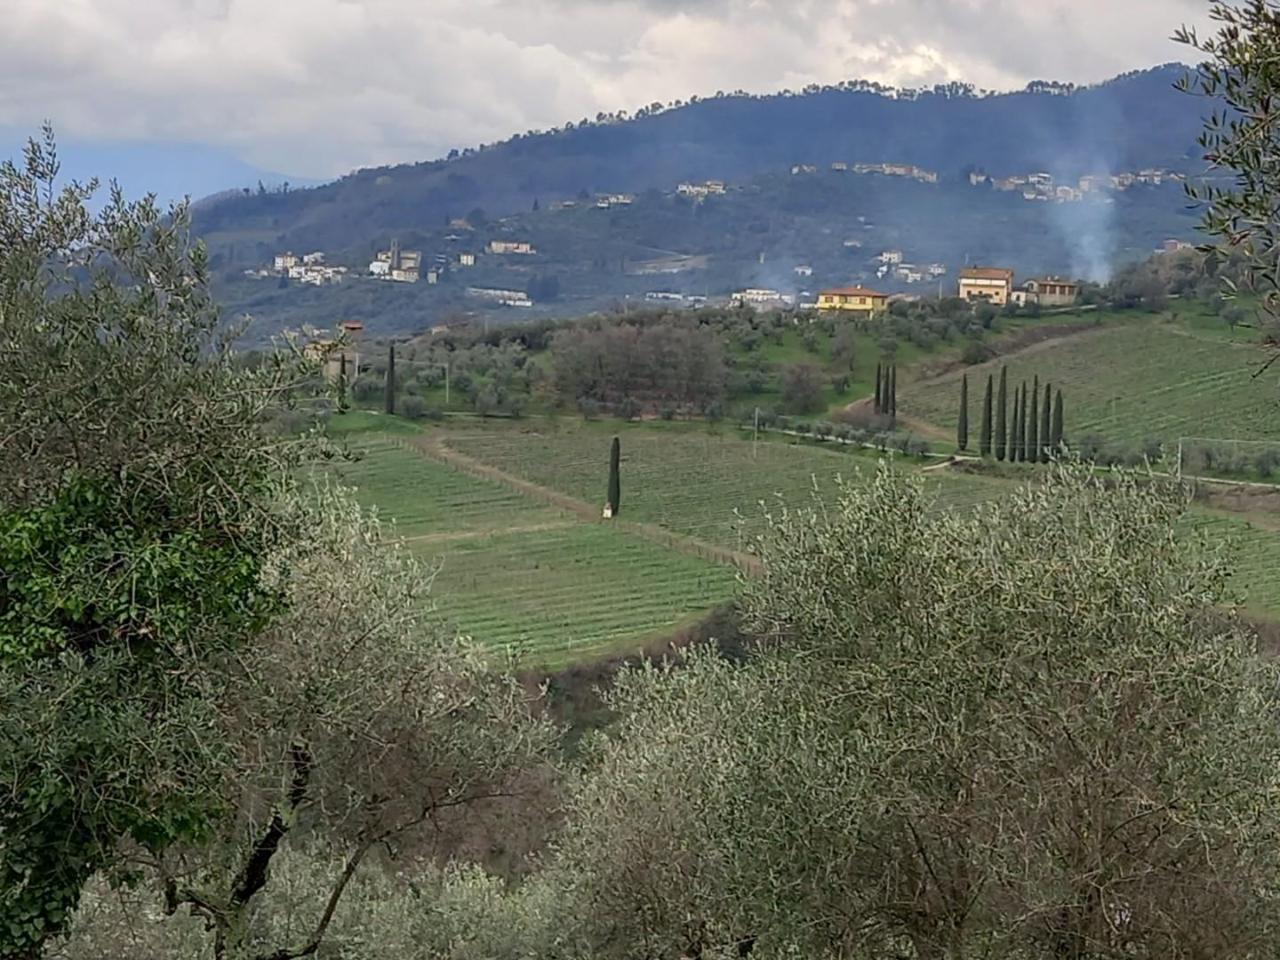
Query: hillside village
[
  {"x": 538, "y": 261},
  {"x": 688, "y": 537}
]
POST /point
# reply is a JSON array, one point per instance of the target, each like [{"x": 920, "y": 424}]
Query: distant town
[{"x": 397, "y": 265}]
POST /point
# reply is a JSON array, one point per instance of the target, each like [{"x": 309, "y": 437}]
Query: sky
[{"x": 315, "y": 88}]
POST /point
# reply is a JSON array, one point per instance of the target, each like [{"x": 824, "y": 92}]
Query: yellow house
[
  {"x": 992, "y": 284},
  {"x": 853, "y": 299}
]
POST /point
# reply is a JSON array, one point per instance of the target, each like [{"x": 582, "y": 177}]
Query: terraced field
[
  {"x": 425, "y": 499},
  {"x": 512, "y": 571},
  {"x": 692, "y": 483},
  {"x": 695, "y": 484},
  {"x": 1143, "y": 379},
  {"x": 574, "y": 592},
  {"x": 1255, "y": 555}
]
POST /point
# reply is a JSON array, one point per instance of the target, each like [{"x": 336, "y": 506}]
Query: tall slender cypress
[
  {"x": 1046, "y": 425},
  {"x": 615, "y": 482},
  {"x": 391, "y": 379},
  {"x": 342, "y": 382},
  {"x": 1015, "y": 427},
  {"x": 962, "y": 426},
  {"x": 893, "y": 391},
  {"x": 1002, "y": 413},
  {"x": 1022, "y": 424},
  {"x": 1033, "y": 426},
  {"x": 984, "y": 440},
  {"x": 1057, "y": 431},
  {"x": 879, "y": 389}
]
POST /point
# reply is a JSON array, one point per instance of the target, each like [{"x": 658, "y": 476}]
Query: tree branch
[
  {"x": 253, "y": 876},
  {"x": 335, "y": 895}
]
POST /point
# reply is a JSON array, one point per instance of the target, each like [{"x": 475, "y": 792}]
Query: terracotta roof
[
  {"x": 986, "y": 273},
  {"x": 851, "y": 292}
]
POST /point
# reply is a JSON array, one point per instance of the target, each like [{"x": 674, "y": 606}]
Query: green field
[
  {"x": 515, "y": 571},
  {"x": 573, "y": 592},
  {"x": 1143, "y": 379},
  {"x": 710, "y": 487},
  {"x": 1254, "y": 554},
  {"x": 424, "y": 499},
  {"x": 692, "y": 483},
  {"x": 511, "y": 571}
]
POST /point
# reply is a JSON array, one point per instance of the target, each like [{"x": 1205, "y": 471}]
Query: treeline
[
  {"x": 633, "y": 369},
  {"x": 882, "y": 437},
  {"x": 1025, "y": 427}
]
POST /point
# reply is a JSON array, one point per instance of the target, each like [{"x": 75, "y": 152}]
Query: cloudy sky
[{"x": 315, "y": 88}]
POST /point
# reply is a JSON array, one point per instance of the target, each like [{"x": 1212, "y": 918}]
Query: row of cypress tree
[
  {"x": 886, "y": 403},
  {"x": 1031, "y": 432}
]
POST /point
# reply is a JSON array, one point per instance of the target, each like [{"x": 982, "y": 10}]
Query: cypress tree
[
  {"x": 391, "y": 379},
  {"x": 1033, "y": 426},
  {"x": 962, "y": 427},
  {"x": 1015, "y": 429},
  {"x": 893, "y": 391},
  {"x": 1056, "y": 432},
  {"x": 615, "y": 483},
  {"x": 1046, "y": 425},
  {"x": 1002, "y": 410},
  {"x": 1022, "y": 424},
  {"x": 879, "y": 396},
  {"x": 342, "y": 382},
  {"x": 984, "y": 441}
]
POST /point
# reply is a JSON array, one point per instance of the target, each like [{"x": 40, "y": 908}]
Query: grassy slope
[
  {"x": 711, "y": 486},
  {"x": 695, "y": 483},
  {"x": 867, "y": 355},
  {"x": 1146, "y": 378},
  {"x": 512, "y": 571}
]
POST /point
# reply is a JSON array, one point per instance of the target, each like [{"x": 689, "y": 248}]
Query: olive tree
[
  {"x": 138, "y": 484},
  {"x": 1033, "y": 731},
  {"x": 359, "y": 728},
  {"x": 1240, "y": 138}
]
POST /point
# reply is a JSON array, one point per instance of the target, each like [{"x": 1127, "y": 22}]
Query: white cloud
[{"x": 316, "y": 87}]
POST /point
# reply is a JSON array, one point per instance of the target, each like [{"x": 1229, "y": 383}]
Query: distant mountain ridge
[
  {"x": 170, "y": 170},
  {"x": 1134, "y": 121},
  {"x": 796, "y": 215}
]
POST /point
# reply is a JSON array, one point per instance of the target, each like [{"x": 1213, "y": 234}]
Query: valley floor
[{"x": 507, "y": 513}]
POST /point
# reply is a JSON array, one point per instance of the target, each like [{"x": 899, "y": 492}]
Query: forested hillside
[
  {"x": 1134, "y": 121},
  {"x": 751, "y": 143}
]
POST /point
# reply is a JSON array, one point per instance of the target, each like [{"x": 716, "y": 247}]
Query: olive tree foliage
[
  {"x": 138, "y": 486},
  {"x": 357, "y": 726},
  {"x": 452, "y": 912},
  {"x": 1027, "y": 732},
  {"x": 1241, "y": 138}
]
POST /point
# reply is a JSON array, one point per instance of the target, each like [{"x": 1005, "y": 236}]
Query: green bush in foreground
[
  {"x": 139, "y": 479},
  {"x": 922, "y": 762}
]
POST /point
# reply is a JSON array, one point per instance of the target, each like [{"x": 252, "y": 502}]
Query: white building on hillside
[{"x": 396, "y": 264}]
